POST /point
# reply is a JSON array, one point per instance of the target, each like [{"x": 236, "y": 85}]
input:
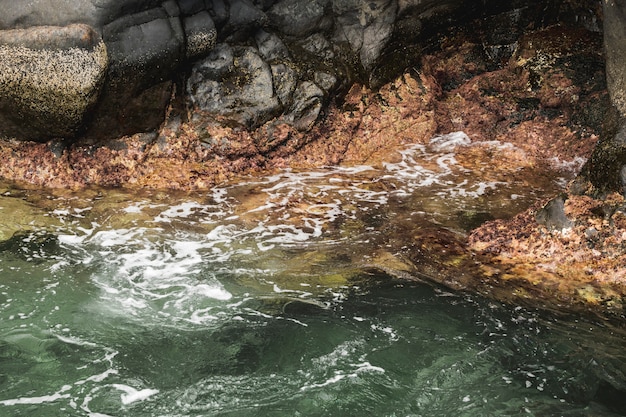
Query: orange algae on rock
[
  {"x": 453, "y": 88},
  {"x": 583, "y": 265}
]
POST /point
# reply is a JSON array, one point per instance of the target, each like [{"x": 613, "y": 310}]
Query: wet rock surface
[{"x": 455, "y": 88}]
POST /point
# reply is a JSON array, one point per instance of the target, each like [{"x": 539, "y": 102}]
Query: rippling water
[{"x": 268, "y": 298}]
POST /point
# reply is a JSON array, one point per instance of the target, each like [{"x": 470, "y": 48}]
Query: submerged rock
[
  {"x": 552, "y": 215},
  {"x": 581, "y": 267}
]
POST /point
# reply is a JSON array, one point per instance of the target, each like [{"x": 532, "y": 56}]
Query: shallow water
[{"x": 269, "y": 298}]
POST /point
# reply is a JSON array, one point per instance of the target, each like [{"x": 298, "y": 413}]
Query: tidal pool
[{"x": 282, "y": 296}]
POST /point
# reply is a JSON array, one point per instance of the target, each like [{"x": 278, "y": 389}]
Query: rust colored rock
[
  {"x": 583, "y": 265},
  {"x": 452, "y": 90}
]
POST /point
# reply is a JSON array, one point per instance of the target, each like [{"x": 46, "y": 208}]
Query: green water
[{"x": 269, "y": 298}]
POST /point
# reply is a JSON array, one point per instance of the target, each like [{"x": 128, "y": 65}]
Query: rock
[
  {"x": 20, "y": 216},
  {"x": 200, "y": 34},
  {"x": 326, "y": 81},
  {"x": 284, "y": 74},
  {"x": 21, "y": 15},
  {"x": 285, "y": 79},
  {"x": 604, "y": 171},
  {"x": 144, "y": 49},
  {"x": 317, "y": 45},
  {"x": 271, "y": 47},
  {"x": 552, "y": 215},
  {"x": 298, "y": 18},
  {"x": 366, "y": 26},
  {"x": 614, "y": 35},
  {"x": 218, "y": 11},
  {"x": 147, "y": 46},
  {"x": 307, "y": 104},
  {"x": 217, "y": 65},
  {"x": 236, "y": 85},
  {"x": 244, "y": 19},
  {"x": 50, "y": 77}
]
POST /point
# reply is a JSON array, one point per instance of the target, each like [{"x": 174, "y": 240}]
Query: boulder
[
  {"x": 50, "y": 77},
  {"x": 94, "y": 69},
  {"x": 366, "y": 26},
  {"x": 236, "y": 85},
  {"x": 615, "y": 47},
  {"x": 298, "y": 18}
]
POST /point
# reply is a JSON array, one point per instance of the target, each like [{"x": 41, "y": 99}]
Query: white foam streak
[
  {"x": 35, "y": 400},
  {"x": 182, "y": 210},
  {"x": 574, "y": 165},
  {"x": 332, "y": 380},
  {"x": 146, "y": 276},
  {"x": 131, "y": 395}
]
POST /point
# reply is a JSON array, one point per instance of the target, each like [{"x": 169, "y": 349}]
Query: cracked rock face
[{"x": 240, "y": 62}]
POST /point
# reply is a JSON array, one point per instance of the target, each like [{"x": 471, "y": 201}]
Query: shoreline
[{"x": 572, "y": 264}]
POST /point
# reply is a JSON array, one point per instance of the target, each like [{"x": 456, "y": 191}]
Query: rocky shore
[{"x": 540, "y": 87}]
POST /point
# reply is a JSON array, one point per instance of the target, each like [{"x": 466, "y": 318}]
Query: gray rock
[
  {"x": 325, "y": 81},
  {"x": 271, "y": 47},
  {"x": 366, "y": 26},
  {"x": 218, "y": 11},
  {"x": 151, "y": 42},
  {"x": 317, "y": 45},
  {"x": 191, "y": 7},
  {"x": 244, "y": 19},
  {"x": 200, "y": 34},
  {"x": 284, "y": 74},
  {"x": 298, "y": 18},
  {"x": 605, "y": 168},
  {"x": 95, "y": 13},
  {"x": 144, "y": 44},
  {"x": 308, "y": 100},
  {"x": 553, "y": 216},
  {"x": 239, "y": 91},
  {"x": 615, "y": 46},
  {"x": 217, "y": 65},
  {"x": 285, "y": 79},
  {"x": 145, "y": 50}
]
